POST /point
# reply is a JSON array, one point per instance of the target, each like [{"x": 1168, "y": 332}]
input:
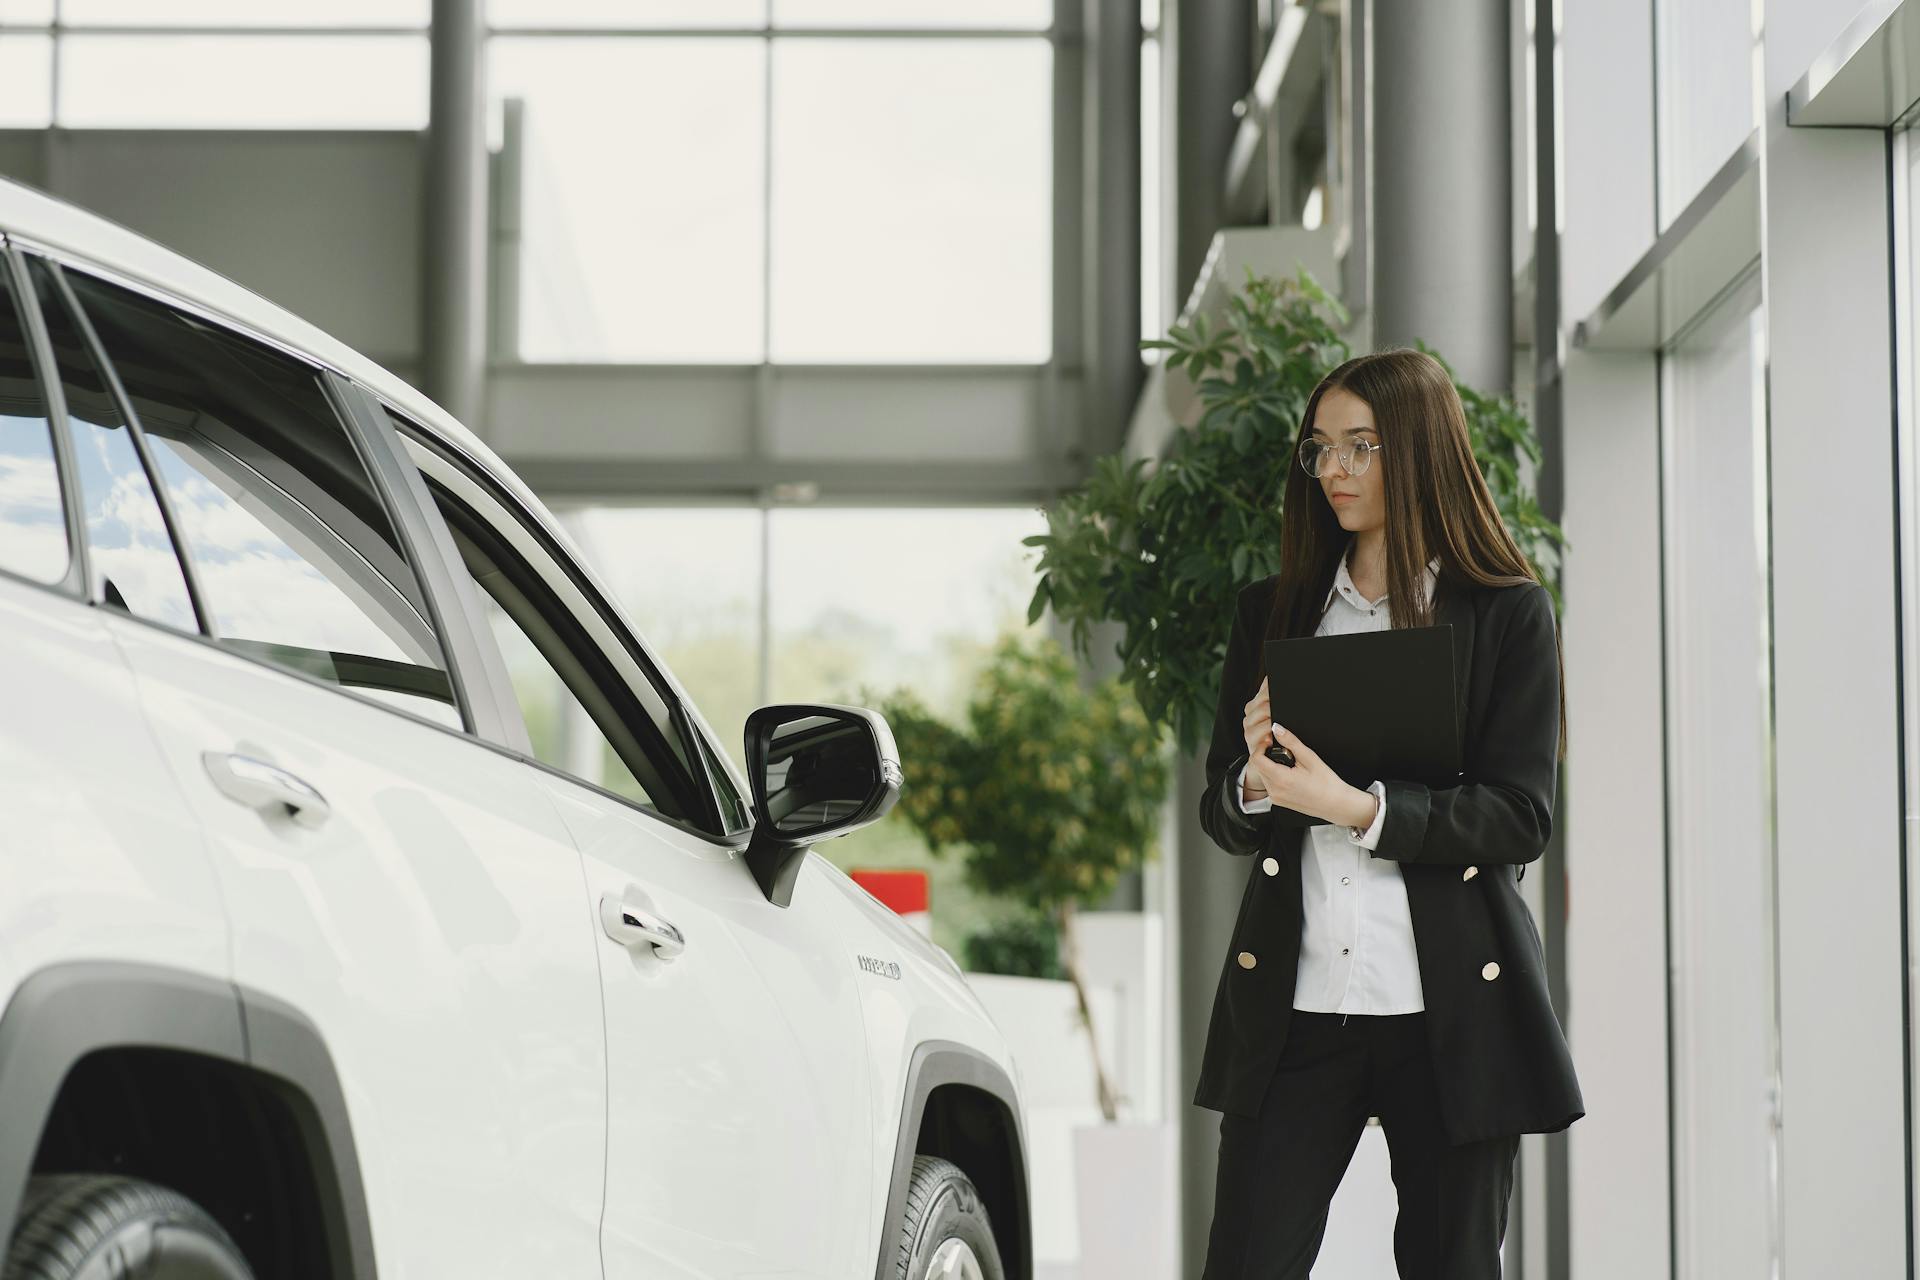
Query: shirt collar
[{"x": 1341, "y": 578}]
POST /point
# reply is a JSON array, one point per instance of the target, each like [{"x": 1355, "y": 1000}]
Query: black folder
[{"x": 1372, "y": 704}]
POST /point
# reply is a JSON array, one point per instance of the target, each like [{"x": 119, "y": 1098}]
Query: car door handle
[
  {"x": 635, "y": 926},
  {"x": 266, "y": 787}
]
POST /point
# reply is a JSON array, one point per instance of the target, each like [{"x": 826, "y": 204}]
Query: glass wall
[
  {"x": 1720, "y": 845},
  {"x": 703, "y": 181},
  {"x": 826, "y": 605},
  {"x": 1708, "y": 56},
  {"x": 827, "y": 183}
]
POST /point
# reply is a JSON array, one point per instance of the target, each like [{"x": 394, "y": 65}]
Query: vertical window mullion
[{"x": 202, "y": 614}]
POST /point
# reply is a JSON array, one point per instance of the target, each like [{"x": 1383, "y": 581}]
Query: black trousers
[{"x": 1279, "y": 1169}]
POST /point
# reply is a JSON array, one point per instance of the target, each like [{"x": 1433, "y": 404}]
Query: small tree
[
  {"x": 1054, "y": 790},
  {"x": 1164, "y": 551}
]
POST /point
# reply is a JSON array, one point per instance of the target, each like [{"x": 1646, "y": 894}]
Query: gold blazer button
[
  {"x": 1470, "y": 873},
  {"x": 1246, "y": 960},
  {"x": 1270, "y": 865},
  {"x": 1491, "y": 971}
]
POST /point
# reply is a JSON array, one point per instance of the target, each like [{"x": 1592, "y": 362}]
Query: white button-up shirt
[{"x": 1356, "y": 937}]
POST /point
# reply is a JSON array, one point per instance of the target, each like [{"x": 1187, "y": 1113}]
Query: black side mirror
[{"x": 818, "y": 770}]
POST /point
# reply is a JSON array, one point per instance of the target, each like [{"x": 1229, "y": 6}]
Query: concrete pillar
[
  {"x": 454, "y": 242},
  {"x": 1441, "y": 176},
  {"x": 1211, "y": 45}
]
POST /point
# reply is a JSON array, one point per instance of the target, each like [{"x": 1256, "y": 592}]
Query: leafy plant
[
  {"x": 1053, "y": 789},
  {"x": 1026, "y": 946},
  {"x": 1163, "y": 550}
]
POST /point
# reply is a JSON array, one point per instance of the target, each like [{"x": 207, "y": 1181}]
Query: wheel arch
[
  {"x": 68, "y": 1014},
  {"x": 960, "y": 1105}
]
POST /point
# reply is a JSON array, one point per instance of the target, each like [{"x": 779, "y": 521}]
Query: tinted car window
[
  {"x": 563, "y": 732},
  {"x": 294, "y": 555},
  {"x": 134, "y": 564},
  {"x": 33, "y": 521}
]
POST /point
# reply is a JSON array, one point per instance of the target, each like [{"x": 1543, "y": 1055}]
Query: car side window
[
  {"x": 135, "y": 566},
  {"x": 33, "y": 519},
  {"x": 294, "y": 555},
  {"x": 582, "y": 716}
]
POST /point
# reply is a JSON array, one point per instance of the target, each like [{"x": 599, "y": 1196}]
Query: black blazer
[{"x": 1500, "y": 1059}]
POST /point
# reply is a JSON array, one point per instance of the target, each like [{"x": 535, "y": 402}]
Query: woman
[{"x": 1383, "y": 963}]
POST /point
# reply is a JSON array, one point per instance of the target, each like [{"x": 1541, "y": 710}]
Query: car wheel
[
  {"x": 945, "y": 1234},
  {"x": 94, "y": 1227}
]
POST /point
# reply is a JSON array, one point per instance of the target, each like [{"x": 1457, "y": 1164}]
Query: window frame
[
  {"x": 340, "y": 395},
  {"x": 76, "y": 584},
  {"x": 606, "y": 624}
]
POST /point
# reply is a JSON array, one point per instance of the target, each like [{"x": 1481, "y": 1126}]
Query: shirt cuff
[
  {"x": 1261, "y": 805},
  {"x": 1370, "y": 837}
]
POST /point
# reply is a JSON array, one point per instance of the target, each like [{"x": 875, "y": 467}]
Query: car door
[
  {"x": 391, "y": 878},
  {"x": 738, "y": 1139},
  {"x": 101, "y": 859}
]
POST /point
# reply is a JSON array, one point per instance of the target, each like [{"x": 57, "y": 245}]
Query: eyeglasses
[{"x": 1355, "y": 456}]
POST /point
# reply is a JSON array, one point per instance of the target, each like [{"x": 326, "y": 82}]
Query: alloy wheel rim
[{"x": 954, "y": 1260}]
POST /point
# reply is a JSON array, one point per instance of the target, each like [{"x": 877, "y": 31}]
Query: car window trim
[
  {"x": 307, "y": 513},
  {"x": 169, "y": 519},
  {"x": 66, "y": 475},
  {"x": 597, "y": 649},
  {"x": 79, "y": 261},
  {"x": 402, "y": 491},
  {"x": 477, "y": 475},
  {"x": 326, "y": 380}
]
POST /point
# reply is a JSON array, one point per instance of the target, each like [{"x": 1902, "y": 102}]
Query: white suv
[{"x": 331, "y": 943}]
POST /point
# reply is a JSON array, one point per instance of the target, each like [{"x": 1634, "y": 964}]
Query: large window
[
  {"x": 699, "y": 181},
  {"x": 911, "y": 210},
  {"x": 1720, "y": 804},
  {"x": 644, "y": 196},
  {"x": 748, "y": 607},
  {"x": 803, "y": 191},
  {"x": 1708, "y": 54}
]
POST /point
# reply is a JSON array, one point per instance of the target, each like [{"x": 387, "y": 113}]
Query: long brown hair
[{"x": 1438, "y": 504}]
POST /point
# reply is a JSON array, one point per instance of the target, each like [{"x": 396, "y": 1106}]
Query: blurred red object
[{"x": 903, "y": 891}]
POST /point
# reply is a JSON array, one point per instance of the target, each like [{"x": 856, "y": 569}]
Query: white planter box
[{"x": 1124, "y": 1184}]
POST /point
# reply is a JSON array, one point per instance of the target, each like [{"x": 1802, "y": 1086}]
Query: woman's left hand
[{"x": 1309, "y": 786}]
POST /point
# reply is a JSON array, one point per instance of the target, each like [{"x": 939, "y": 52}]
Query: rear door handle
[
  {"x": 265, "y": 787},
  {"x": 634, "y": 926}
]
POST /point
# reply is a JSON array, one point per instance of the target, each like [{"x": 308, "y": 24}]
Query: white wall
[
  {"x": 1616, "y": 1012},
  {"x": 1828, "y": 532},
  {"x": 1836, "y": 711},
  {"x": 1606, "y": 156}
]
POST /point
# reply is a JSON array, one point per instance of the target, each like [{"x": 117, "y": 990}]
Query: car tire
[
  {"x": 96, "y": 1227},
  {"x": 945, "y": 1234}
]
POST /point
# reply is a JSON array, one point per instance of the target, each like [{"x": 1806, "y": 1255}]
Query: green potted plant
[
  {"x": 1052, "y": 789},
  {"x": 1162, "y": 547}
]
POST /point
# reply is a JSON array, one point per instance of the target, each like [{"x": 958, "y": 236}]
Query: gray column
[
  {"x": 1211, "y": 44},
  {"x": 1111, "y": 251},
  {"x": 1549, "y": 414},
  {"x": 454, "y": 240},
  {"x": 1441, "y": 169}
]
